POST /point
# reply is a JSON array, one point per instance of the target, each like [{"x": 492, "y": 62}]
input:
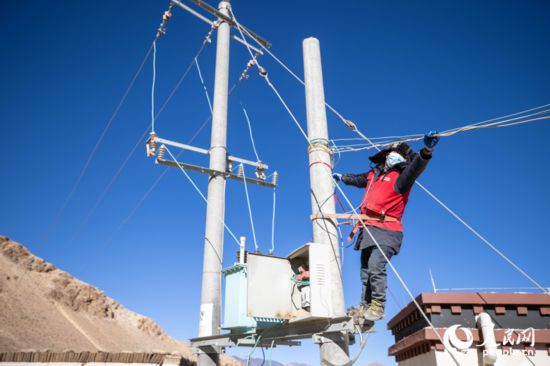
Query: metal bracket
[
  {"x": 286, "y": 334},
  {"x": 230, "y": 21},
  {"x": 204, "y": 344},
  {"x": 209, "y": 171},
  {"x": 214, "y": 11},
  {"x": 159, "y": 140}
]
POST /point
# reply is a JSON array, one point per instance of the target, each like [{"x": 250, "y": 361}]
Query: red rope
[
  {"x": 320, "y": 162},
  {"x": 337, "y": 199}
]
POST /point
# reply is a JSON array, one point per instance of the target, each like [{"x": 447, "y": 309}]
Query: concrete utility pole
[
  {"x": 215, "y": 211},
  {"x": 334, "y": 348}
]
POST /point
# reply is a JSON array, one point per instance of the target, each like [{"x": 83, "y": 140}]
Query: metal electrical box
[
  {"x": 235, "y": 309},
  {"x": 317, "y": 257},
  {"x": 264, "y": 291}
]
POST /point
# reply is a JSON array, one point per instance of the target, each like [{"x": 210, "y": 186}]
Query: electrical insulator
[
  {"x": 263, "y": 72},
  {"x": 275, "y": 178},
  {"x": 260, "y": 172},
  {"x": 161, "y": 152},
  {"x": 240, "y": 171},
  {"x": 151, "y": 145}
]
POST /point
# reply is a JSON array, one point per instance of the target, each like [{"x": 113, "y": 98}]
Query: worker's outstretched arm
[
  {"x": 357, "y": 180},
  {"x": 412, "y": 171}
]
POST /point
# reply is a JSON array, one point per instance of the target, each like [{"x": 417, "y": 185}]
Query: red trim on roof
[
  {"x": 408, "y": 347},
  {"x": 473, "y": 298},
  {"x": 522, "y": 310}
]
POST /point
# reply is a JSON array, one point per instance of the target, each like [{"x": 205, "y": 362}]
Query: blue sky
[{"x": 394, "y": 67}]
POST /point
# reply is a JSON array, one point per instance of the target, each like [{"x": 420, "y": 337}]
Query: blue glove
[
  {"x": 430, "y": 140},
  {"x": 337, "y": 176}
]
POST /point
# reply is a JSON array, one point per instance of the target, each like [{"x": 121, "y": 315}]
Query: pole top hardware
[
  {"x": 152, "y": 149},
  {"x": 212, "y": 10}
]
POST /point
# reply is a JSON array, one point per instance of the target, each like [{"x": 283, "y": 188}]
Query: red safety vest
[{"x": 381, "y": 199}]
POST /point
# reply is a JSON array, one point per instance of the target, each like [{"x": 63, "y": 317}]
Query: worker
[{"x": 387, "y": 186}]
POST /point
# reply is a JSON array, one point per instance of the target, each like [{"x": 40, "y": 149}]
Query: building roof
[
  {"x": 432, "y": 302},
  {"x": 413, "y": 336},
  {"x": 86, "y": 357}
]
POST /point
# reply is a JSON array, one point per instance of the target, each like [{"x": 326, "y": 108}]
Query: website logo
[{"x": 451, "y": 338}]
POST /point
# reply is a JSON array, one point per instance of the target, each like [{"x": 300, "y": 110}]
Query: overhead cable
[
  {"x": 378, "y": 245},
  {"x": 264, "y": 74},
  {"x": 153, "y": 87},
  {"x": 273, "y": 222},
  {"x": 471, "y": 229},
  {"x": 241, "y": 170},
  {"x": 352, "y": 125},
  {"x": 405, "y": 286},
  {"x": 397, "y": 274},
  {"x": 203, "y": 85},
  {"x": 250, "y": 132},
  {"x": 487, "y": 124},
  {"x": 155, "y": 183},
  {"x": 142, "y": 137},
  {"x": 197, "y": 189},
  {"x": 90, "y": 157},
  {"x": 159, "y": 178},
  {"x": 483, "y": 239}
]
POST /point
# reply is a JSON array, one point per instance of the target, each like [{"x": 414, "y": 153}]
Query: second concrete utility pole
[
  {"x": 334, "y": 347},
  {"x": 209, "y": 322}
]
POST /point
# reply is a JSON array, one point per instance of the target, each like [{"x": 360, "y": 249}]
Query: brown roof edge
[
  {"x": 471, "y": 298},
  {"x": 409, "y": 308},
  {"x": 85, "y": 357},
  {"x": 542, "y": 336}
]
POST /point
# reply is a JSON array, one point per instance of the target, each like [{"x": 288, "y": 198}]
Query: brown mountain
[{"x": 43, "y": 308}]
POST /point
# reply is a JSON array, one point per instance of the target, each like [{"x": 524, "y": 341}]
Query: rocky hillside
[{"x": 44, "y": 308}]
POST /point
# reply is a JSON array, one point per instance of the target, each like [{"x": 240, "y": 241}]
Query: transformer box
[{"x": 264, "y": 290}]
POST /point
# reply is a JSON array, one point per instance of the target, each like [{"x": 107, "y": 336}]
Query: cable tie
[{"x": 350, "y": 124}]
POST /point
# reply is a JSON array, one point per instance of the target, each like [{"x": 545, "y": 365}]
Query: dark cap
[{"x": 402, "y": 148}]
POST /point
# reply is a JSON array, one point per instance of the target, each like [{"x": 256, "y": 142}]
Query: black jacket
[{"x": 409, "y": 173}]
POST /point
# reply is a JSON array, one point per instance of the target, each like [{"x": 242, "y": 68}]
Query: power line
[
  {"x": 153, "y": 86},
  {"x": 153, "y": 186},
  {"x": 140, "y": 139},
  {"x": 352, "y": 125},
  {"x": 241, "y": 169},
  {"x": 498, "y": 124},
  {"x": 250, "y": 132},
  {"x": 203, "y": 85},
  {"x": 90, "y": 157},
  {"x": 197, "y": 189},
  {"x": 374, "y": 239}
]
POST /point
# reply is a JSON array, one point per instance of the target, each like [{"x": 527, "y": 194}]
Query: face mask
[{"x": 394, "y": 158}]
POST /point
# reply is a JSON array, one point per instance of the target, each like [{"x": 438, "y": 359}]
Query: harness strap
[
  {"x": 362, "y": 217},
  {"x": 381, "y": 218}
]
